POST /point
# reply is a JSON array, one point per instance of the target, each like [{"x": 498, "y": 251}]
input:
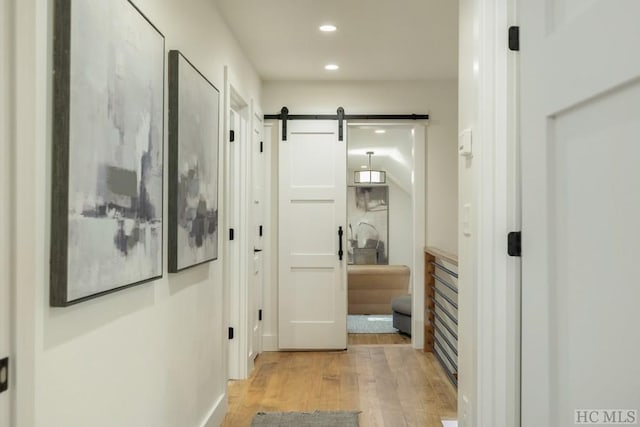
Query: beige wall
[
  {"x": 5, "y": 191},
  {"x": 438, "y": 98},
  {"x": 151, "y": 355}
]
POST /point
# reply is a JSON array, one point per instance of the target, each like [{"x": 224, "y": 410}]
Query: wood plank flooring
[
  {"x": 393, "y": 386},
  {"x": 383, "y": 339}
]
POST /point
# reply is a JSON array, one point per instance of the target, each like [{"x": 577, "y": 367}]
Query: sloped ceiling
[{"x": 393, "y": 152}]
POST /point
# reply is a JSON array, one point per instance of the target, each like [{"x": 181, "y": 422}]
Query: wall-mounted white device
[{"x": 464, "y": 143}]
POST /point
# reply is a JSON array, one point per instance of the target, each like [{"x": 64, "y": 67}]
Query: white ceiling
[{"x": 375, "y": 40}]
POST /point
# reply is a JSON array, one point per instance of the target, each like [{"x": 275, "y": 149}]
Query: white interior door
[
  {"x": 312, "y": 291},
  {"x": 581, "y": 204},
  {"x": 256, "y": 273},
  {"x": 5, "y": 204}
]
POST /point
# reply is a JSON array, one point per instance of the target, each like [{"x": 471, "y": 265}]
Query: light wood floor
[
  {"x": 393, "y": 386},
  {"x": 355, "y": 339}
]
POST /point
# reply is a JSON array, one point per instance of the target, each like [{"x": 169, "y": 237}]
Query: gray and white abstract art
[
  {"x": 108, "y": 149},
  {"x": 193, "y": 165}
]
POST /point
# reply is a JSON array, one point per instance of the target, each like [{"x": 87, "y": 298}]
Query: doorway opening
[{"x": 384, "y": 201}]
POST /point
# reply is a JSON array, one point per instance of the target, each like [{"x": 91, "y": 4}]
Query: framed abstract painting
[
  {"x": 107, "y": 192},
  {"x": 193, "y": 165}
]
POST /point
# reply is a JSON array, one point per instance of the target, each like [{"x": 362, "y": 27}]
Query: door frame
[
  {"x": 236, "y": 260},
  {"x": 419, "y": 218},
  {"x": 496, "y": 194},
  {"x": 270, "y": 296},
  {"x": 256, "y": 123}
]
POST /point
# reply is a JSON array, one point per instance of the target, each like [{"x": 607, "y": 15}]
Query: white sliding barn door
[
  {"x": 312, "y": 207},
  {"x": 581, "y": 205}
]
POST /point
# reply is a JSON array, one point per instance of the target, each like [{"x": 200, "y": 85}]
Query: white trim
[
  {"x": 497, "y": 279},
  {"x": 216, "y": 414},
  {"x": 256, "y": 125},
  {"x": 270, "y": 297},
  {"x": 419, "y": 218},
  {"x": 236, "y": 294},
  {"x": 270, "y": 342},
  {"x": 419, "y": 187},
  {"x": 223, "y": 220}
]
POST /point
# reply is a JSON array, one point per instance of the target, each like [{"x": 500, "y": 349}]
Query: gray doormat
[
  {"x": 370, "y": 324},
  {"x": 306, "y": 419}
]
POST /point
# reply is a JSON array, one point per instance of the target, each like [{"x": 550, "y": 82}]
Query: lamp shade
[{"x": 370, "y": 177}]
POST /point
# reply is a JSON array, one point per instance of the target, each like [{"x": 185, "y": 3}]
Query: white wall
[
  {"x": 400, "y": 226},
  {"x": 467, "y": 258},
  {"x": 437, "y": 98},
  {"x": 152, "y": 355},
  {"x": 5, "y": 193}
]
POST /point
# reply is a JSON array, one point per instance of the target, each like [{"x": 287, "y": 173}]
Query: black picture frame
[
  {"x": 63, "y": 282},
  {"x": 194, "y": 110}
]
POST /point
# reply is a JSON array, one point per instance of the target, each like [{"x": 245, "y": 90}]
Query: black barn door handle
[{"x": 340, "y": 252}]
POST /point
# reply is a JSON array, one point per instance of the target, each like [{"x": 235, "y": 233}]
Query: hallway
[{"x": 393, "y": 385}]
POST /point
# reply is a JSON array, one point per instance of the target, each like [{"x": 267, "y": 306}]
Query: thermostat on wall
[{"x": 464, "y": 143}]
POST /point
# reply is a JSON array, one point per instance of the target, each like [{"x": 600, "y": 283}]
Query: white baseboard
[
  {"x": 217, "y": 413},
  {"x": 270, "y": 343}
]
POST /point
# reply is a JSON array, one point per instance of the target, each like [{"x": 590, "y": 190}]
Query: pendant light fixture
[{"x": 370, "y": 176}]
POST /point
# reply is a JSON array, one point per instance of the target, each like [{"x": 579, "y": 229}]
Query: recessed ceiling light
[
  {"x": 364, "y": 167},
  {"x": 381, "y": 131},
  {"x": 328, "y": 28},
  {"x": 331, "y": 67}
]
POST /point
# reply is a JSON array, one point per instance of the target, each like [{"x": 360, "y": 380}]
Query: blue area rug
[{"x": 370, "y": 324}]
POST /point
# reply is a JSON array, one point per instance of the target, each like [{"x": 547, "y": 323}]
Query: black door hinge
[
  {"x": 230, "y": 333},
  {"x": 232, "y": 234},
  {"x": 4, "y": 374},
  {"x": 232, "y": 135},
  {"x": 261, "y": 146},
  {"x": 260, "y": 315},
  {"x": 260, "y": 231},
  {"x": 514, "y": 38},
  {"x": 514, "y": 243}
]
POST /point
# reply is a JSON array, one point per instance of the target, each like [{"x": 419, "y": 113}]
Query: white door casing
[
  {"x": 312, "y": 293},
  {"x": 256, "y": 230},
  {"x": 418, "y": 217},
  {"x": 580, "y": 202},
  {"x": 237, "y": 261},
  {"x": 233, "y": 247}
]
